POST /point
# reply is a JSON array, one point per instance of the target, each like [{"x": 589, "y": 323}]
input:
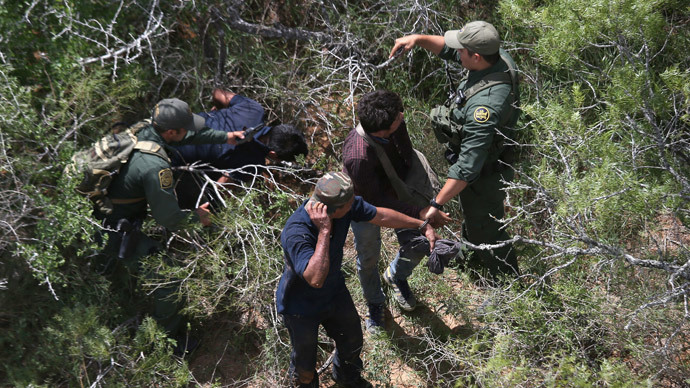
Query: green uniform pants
[
  {"x": 482, "y": 205},
  {"x": 165, "y": 307}
]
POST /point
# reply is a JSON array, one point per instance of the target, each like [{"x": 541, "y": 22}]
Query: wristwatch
[{"x": 435, "y": 204}]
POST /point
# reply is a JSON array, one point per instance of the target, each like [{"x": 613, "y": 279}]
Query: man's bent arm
[{"x": 319, "y": 264}]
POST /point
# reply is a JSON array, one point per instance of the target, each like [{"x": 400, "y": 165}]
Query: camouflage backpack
[{"x": 99, "y": 164}]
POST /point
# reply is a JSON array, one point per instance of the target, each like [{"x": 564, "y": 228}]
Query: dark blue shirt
[
  {"x": 294, "y": 295},
  {"x": 241, "y": 114}
]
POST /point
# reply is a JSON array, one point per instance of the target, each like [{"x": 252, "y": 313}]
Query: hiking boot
[
  {"x": 376, "y": 318},
  {"x": 403, "y": 293},
  {"x": 359, "y": 382},
  {"x": 313, "y": 384}
]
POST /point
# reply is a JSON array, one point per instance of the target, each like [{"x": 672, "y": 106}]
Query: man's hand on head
[{"x": 319, "y": 215}]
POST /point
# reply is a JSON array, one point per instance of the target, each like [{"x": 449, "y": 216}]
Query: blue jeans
[
  {"x": 368, "y": 246},
  {"x": 341, "y": 322}
]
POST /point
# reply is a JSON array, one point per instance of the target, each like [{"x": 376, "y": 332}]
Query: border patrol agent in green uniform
[
  {"x": 146, "y": 181},
  {"x": 475, "y": 125}
]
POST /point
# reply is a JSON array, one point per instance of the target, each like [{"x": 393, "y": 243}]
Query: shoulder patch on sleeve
[
  {"x": 165, "y": 177},
  {"x": 481, "y": 114}
]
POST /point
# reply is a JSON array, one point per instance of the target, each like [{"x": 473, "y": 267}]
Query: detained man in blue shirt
[
  {"x": 312, "y": 290},
  {"x": 232, "y": 113}
]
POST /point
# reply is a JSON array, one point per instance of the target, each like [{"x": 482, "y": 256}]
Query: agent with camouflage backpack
[
  {"x": 475, "y": 126},
  {"x": 145, "y": 181}
]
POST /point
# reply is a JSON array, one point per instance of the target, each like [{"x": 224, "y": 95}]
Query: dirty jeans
[{"x": 368, "y": 246}]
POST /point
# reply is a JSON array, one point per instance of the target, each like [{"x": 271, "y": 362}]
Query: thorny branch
[
  {"x": 117, "y": 48},
  {"x": 277, "y": 30}
]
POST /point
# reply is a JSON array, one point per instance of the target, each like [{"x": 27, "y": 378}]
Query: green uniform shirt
[
  {"x": 149, "y": 176},
  {"x": 479, "y": 119}
]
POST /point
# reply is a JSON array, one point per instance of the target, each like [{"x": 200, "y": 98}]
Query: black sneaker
[
  {"x": 403, "y": 293},
  {"x": 376, "y": 318}
]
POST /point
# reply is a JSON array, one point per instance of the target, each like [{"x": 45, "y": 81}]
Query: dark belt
[{"x": 126, "y": 201}]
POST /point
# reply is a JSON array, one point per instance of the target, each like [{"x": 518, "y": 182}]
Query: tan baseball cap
[
  {"x": 173, "y": 113},
  {"x": 478, "y": 36}
]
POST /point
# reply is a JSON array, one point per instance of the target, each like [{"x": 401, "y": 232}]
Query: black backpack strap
[
  {"x": 488, "y": 81},
  {"x": 513, "y": 79}
]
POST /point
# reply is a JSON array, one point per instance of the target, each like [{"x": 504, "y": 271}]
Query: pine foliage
[{"x": 599, "y": 207}]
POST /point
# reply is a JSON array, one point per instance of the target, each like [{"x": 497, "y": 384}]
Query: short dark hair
[
  {"x": 158, "y": 128},
  {"x": 287, "y": 142},
  {"x": 377, "y": 110},
  {"x": 491, "y": 58}
]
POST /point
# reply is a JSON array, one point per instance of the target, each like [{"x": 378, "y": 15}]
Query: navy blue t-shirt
[
  {"x": 294, "y": 295},
  {"x": 241, "y": 114}
]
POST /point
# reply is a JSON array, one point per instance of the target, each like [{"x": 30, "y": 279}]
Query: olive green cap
[
  {"x": 334, "y": 190},
  {"x": 172, "y": 113},
  {"x": 478, "y": 36}
]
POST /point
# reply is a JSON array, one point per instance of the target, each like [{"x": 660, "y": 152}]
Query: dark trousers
[
  {"x": 165, "y": 306},
  {"x": 341, "y": 322},
  {"x": 482, "y": 205}
]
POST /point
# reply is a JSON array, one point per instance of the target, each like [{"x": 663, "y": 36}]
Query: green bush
[{"x": 601, "y": 182}]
